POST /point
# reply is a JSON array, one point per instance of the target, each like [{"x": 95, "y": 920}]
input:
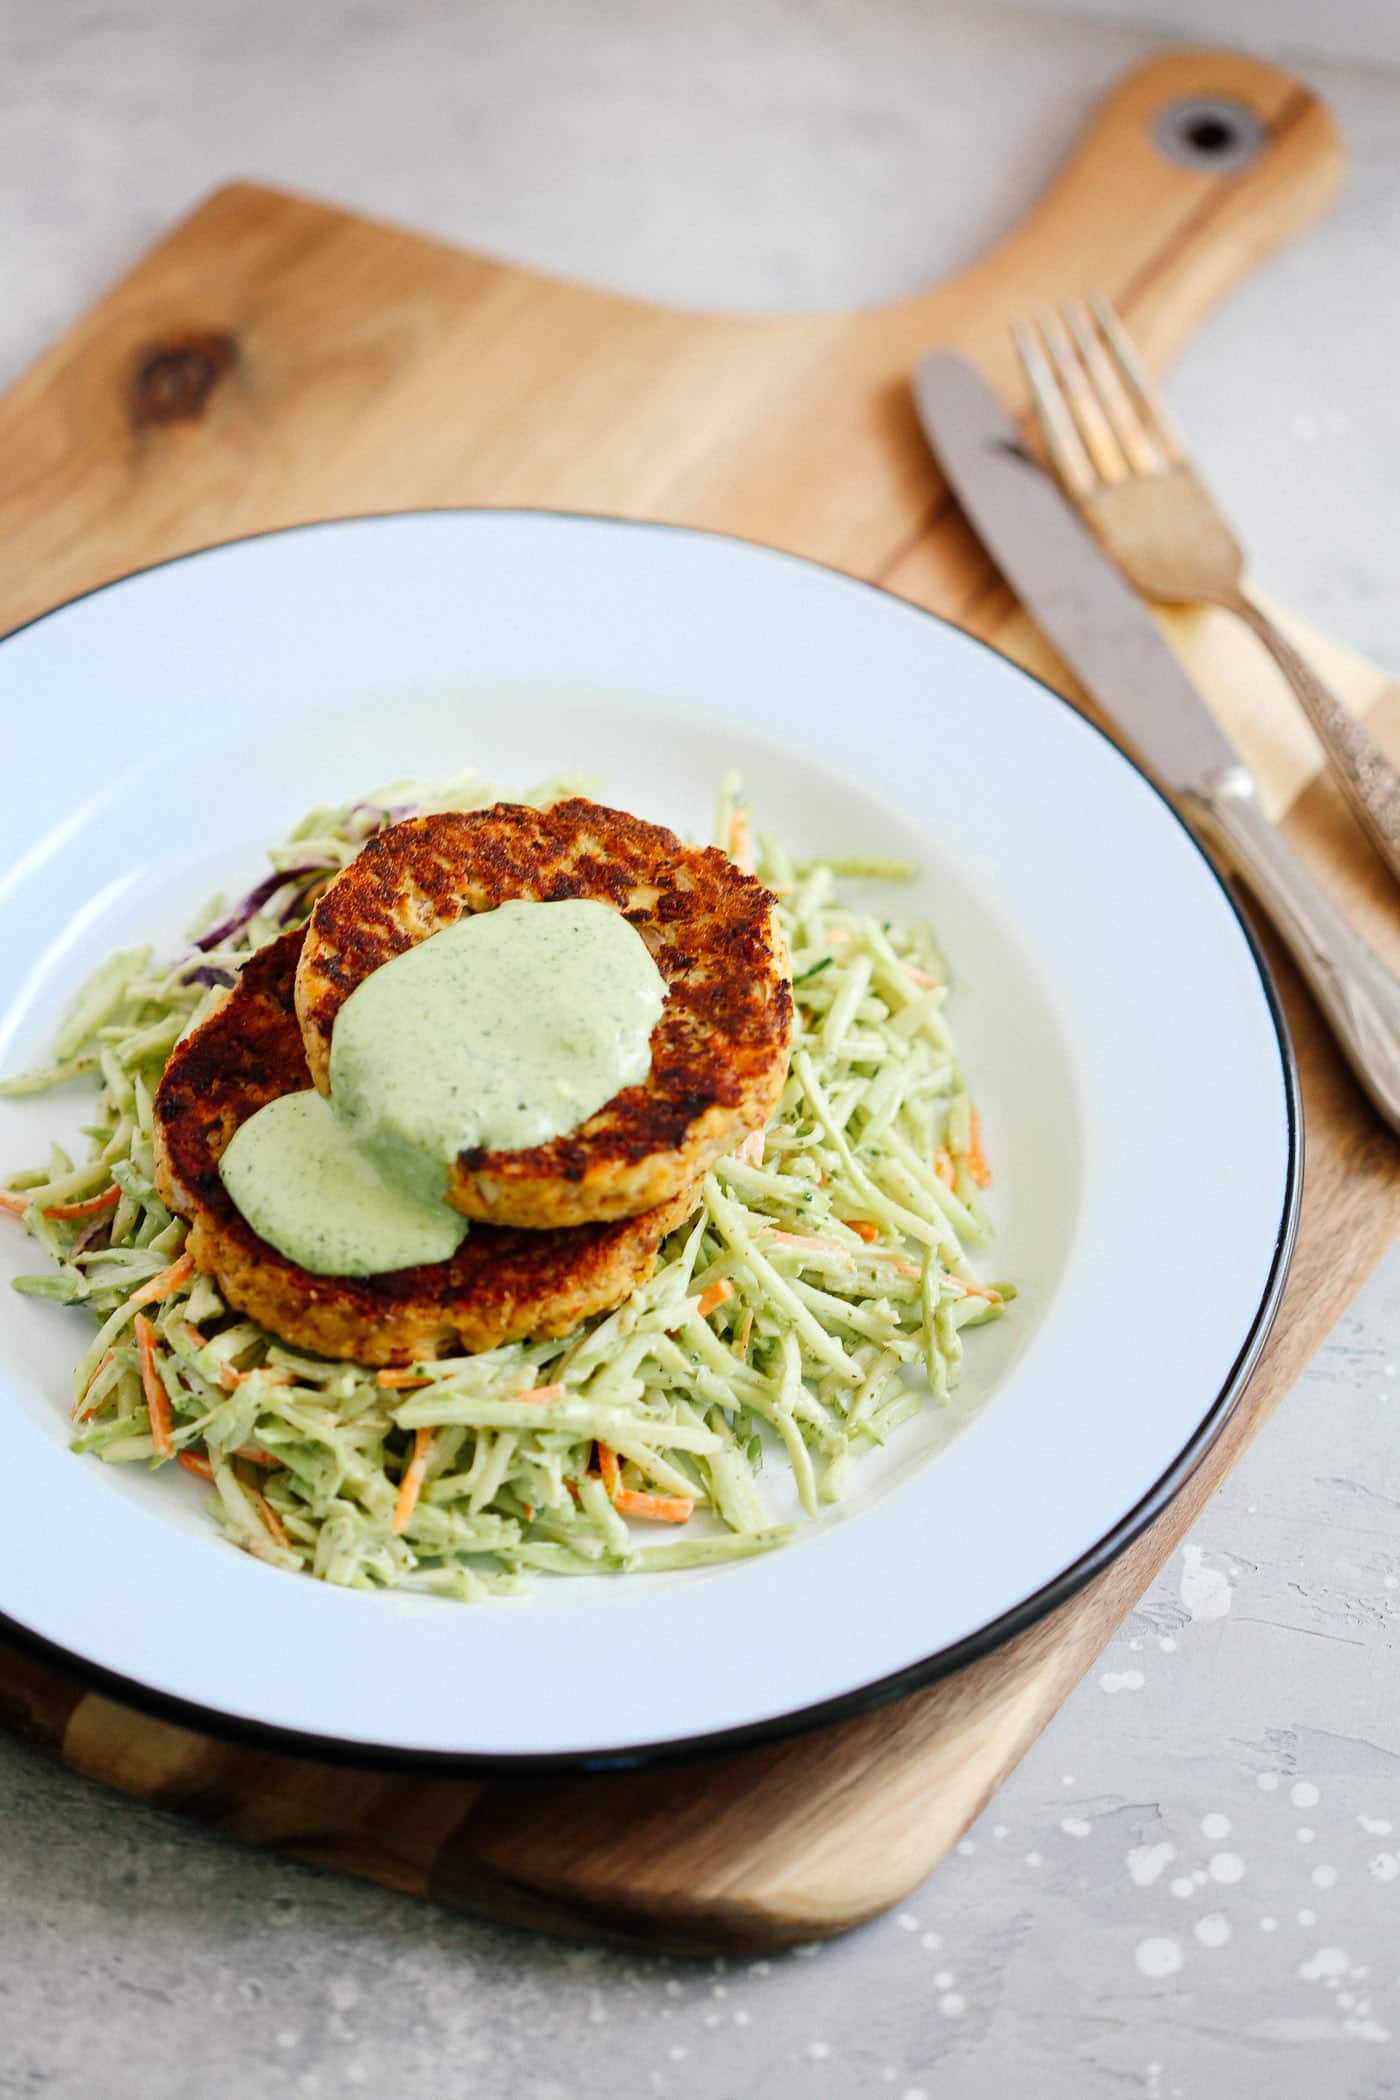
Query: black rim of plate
[{"x": 916, "y": 1676}]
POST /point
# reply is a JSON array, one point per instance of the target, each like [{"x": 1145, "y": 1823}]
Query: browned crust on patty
[
  {"x": 501, "y": 1285},
  {"x": 718, "y": 1053}
]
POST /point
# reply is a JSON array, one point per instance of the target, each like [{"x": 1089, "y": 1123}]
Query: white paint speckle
[
  {"x": 1305, "y": 1833},
  {"x": 932, "y": 1941},
  {"x": 1158, "y": 1957},
  {"x": 914, "y": 2092},
  {"x": 1068, "y": 1779},
  {"x": 1136, "y": 1647},
  {"x": 1267, "y": 1782},
  {"x": 1205, "y": 1592},
  {"x": 1122, "y": 1680},
  {"x": 952, "y": 2003},
  {"x": 741, "y": 2018},
  {"x": 1226, "y": 1867},
  {"x": 1324, "y": 1877},
  {"x": 1384, "y": 1866},
  {"x": 1307, "y": 1917},
  {"x": 944, "y": 1980},
  {"x": 1183, "y": 1885},
  {"x": 1376, "y": 1826},
  {"x": 1328, "y": 1961},
  {"x": 1001, "y": 1830},
  {"x": 1147, "y": 1863},
  {"x": 818, "y": 2051},
  {"x": 1032, "y": 1859},
  {"x": 1268, "y": 1924},
  {"x": 1303, "y": 1794},
  {"x": 288, "y": 2038},
  {"x": 907, "y": 1921},
  {"x": 1367, "y": 2030},
  {"x": 1075, "y": 1826},
  {"x": 967, "y": 1846},
  {"x": 1167, "y": 1644},
  {"x": 1215, "y": 1826},
  {"x": 1213, "y": 1930},
  {"x": 676, "y": 2052}
]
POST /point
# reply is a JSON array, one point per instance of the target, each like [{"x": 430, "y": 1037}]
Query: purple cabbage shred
[{"x": 254, "y": 902}]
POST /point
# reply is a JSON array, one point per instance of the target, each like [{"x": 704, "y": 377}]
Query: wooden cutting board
[{"x": 274, "y": 360}]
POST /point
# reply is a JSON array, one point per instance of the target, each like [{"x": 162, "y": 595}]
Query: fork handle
[
  {"x": 1368, "y": 779},
  {"x": 1357, "y": 994}
]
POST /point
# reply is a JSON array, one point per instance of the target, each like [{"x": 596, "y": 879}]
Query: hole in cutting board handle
[{"x": 1209, "y": 134}]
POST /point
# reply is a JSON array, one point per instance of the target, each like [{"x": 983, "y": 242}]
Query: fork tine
[
  {"x": 1142, "y": 454},
  {"x": 1084, "y": 404},
  {"x": 1057, "y": 426},
  {"x": 1139, "y": 379}
]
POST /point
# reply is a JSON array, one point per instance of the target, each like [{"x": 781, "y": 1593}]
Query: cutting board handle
[{"x": 1195, "y": 166}]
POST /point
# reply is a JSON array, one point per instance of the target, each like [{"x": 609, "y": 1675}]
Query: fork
[{"x": 1122, "y": 464}]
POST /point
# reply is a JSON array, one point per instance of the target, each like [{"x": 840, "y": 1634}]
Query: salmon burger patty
[{"x": 719, "y": 1052}]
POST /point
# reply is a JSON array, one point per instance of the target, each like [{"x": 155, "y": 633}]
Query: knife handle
[{"x": 1357, "y": 994}]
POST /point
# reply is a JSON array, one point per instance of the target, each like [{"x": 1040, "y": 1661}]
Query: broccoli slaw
[{"x": 815, "y": 1301}]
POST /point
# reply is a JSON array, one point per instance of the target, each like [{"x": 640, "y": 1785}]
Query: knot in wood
[{"x": 175, "y": 378}]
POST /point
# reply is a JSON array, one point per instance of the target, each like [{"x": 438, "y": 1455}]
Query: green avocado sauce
[
  {"x": 304, "y": 1185},
  {"x": 506, "y": 1029}
]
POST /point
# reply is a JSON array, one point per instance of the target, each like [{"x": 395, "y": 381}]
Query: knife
[{"x": 1110, "y": 641}]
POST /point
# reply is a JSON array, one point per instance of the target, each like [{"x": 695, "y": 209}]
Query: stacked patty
[{"x": 560, "y": 1230}]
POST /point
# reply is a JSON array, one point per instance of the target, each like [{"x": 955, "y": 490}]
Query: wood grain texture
[{"x": 276, "y": 360}]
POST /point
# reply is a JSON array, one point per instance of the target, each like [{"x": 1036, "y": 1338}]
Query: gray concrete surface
[{"x": 1191, "y": 1889}]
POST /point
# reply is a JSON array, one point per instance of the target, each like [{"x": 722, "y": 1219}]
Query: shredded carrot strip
[
  {"x": 192, "y": 1335},
  {"x": 865, "y": 1228},
  {"x": 411, "y": 1485},
  {"x": 270, "y": 1517},
  {"x": 92, "y": 1208},
  {"x": 741, "y": 1346},
  {"x": 13, "y": 1203},
  {"x": 741, "y": 842},
  {"x": 943, "y": 1168},
  {"x": 713, "y": 1296},
  {"x": 920, "y": 978},
  {"x": 169, "y": 1280},
  {"x": 195, "y": 1462},
  {"x": 662, "y": 1509},
  {"x": 231, "y": 1380},
  {"x": 976, "y": 1158},
  {"x": 836, "y": 936},
  {"x": 907, "y": 1268},
  {"x": 540, "y": 1392},
  {"x": 751, "y": 1151},
  {"x": 255, "y": 1455},
  {"x": 399, "y": 1381},
  {"x": 974, "y": 1290},
  {"x": 80, "y": 1412},
  {"x": 157, "y": 1399},
  {"x": 610, "y": 1470},
  {"x": 809, "y": 1242}
]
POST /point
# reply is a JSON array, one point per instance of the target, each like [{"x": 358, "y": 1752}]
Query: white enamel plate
[{"x": 1135, "y": 1085}]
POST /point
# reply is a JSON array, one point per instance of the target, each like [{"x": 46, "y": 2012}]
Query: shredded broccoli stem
[{"x": 843, "y": 1239}]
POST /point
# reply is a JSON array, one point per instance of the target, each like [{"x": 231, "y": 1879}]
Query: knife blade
[{"x": 1064, "y": 579}]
